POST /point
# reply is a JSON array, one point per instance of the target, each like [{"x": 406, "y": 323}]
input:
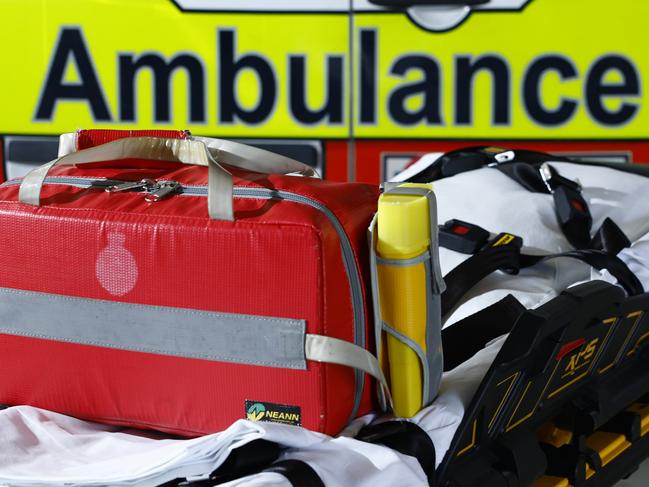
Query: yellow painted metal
[
  {"x": 607, "y": 445},
  {"x": 551, "y": 481}
]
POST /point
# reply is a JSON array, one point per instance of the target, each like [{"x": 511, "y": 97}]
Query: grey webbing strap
[
  {"x": 201, "y": 151},
  {"x": 228, "y": 152},
  {"x": 434, "y": 349},
  {"x": 423, "y": 358},
  {"x": 253, "y": 158},
  {"x": 374, "y": 282},
  {"x": 332, "y": 350},
  {"x": 191, "y": 152}
]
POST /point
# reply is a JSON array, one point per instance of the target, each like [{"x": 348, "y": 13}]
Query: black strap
[
  {"x": 297, "y": 472},
  {"x": 464, "y": 339},
  {"x": 598, "y": 259},
  {"x": 530, "y": 170},
  {"x": 527, "y": 175},
  {"x": 404, "y": 437},
  {"x": 571, "y": 209},
  {"x": 252, "y": 458},
  {"x": 466, "y": 275},
  {"x": 573, "y": 216},
  {"x": 506, "y": 256},
  {"x": 610, "y": 238},
  {"x": 245, "y": 460}
]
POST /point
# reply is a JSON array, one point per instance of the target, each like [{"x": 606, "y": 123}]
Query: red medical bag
[{"x": 145, "y": 284}]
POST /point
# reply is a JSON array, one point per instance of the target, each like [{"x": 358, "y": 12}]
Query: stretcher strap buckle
[{"x": 462, "y": 237}]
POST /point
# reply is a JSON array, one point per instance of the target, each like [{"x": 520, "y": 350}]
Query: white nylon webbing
[
  {"x": 200, "y": 151},
  {"x": 229, "y": 152},
  {"x": 333, "y": 350},
  {"x": 153, "y": 148}
]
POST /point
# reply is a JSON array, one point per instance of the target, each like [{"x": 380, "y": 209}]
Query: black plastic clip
[{"x": 462, "y": 237}]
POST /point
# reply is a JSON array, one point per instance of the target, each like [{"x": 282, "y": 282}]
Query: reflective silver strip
[
  {"x": 224, "y": 337},
  {"x": 349, "y": 261}
]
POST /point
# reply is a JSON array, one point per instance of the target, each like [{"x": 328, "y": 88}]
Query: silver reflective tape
[{"x": 224, "y": 337}]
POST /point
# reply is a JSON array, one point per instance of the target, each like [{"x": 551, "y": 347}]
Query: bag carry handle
[
  {"x": 253, "y": 158},
  {"x": 186, "y": 151}
]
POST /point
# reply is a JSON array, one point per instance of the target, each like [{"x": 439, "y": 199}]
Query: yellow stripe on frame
[{"x": 473, "y": 438}]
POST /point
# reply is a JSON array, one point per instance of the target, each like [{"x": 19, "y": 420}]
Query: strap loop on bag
[{"x": 336, "y": 351}]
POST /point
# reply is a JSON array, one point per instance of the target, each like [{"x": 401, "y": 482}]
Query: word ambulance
[{"x": 610, "y": 94}]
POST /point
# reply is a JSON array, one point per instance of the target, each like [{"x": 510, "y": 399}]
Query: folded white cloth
[
  {"x": 43, "y": 448},
  {"x": 40, "y": 448}
]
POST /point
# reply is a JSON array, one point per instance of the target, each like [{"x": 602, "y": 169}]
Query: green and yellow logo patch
[{"x": 274, "y": 413}]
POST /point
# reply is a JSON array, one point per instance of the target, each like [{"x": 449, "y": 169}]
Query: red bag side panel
[{"x": 288, "y": 264}]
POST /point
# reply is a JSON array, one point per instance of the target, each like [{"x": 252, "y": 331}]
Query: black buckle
[
  {"x": 553, "y": 180},
  {"x": 462, "y": 237},
  {"x": 509, "y": 239},
  {"x": 573, "y": 216},
  {"x": 512, "y": 245},
  {"x": 498, "y": 155}
]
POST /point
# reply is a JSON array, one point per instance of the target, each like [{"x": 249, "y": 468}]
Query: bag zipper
[{"x": 156, "y": 190}]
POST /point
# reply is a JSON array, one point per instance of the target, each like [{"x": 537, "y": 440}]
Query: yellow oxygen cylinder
[{"x": 403, "y": 233}]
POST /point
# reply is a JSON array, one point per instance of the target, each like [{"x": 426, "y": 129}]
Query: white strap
[
  {"x": 219, "y": 199},
  {"x": 201, "y": 151},
  {"x": 226, "y": 152},
  {"x": 253, "y": 158},
  {"x": 333, "y": 350}
]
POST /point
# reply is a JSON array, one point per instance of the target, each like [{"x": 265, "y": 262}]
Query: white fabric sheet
[{"x": 40, "y": 448}]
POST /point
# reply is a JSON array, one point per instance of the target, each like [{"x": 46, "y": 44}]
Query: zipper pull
[
  {"x": 129, "y": 185},
  {"x": 105, "y": 183},
  {"x": 163, "y": 189}
]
